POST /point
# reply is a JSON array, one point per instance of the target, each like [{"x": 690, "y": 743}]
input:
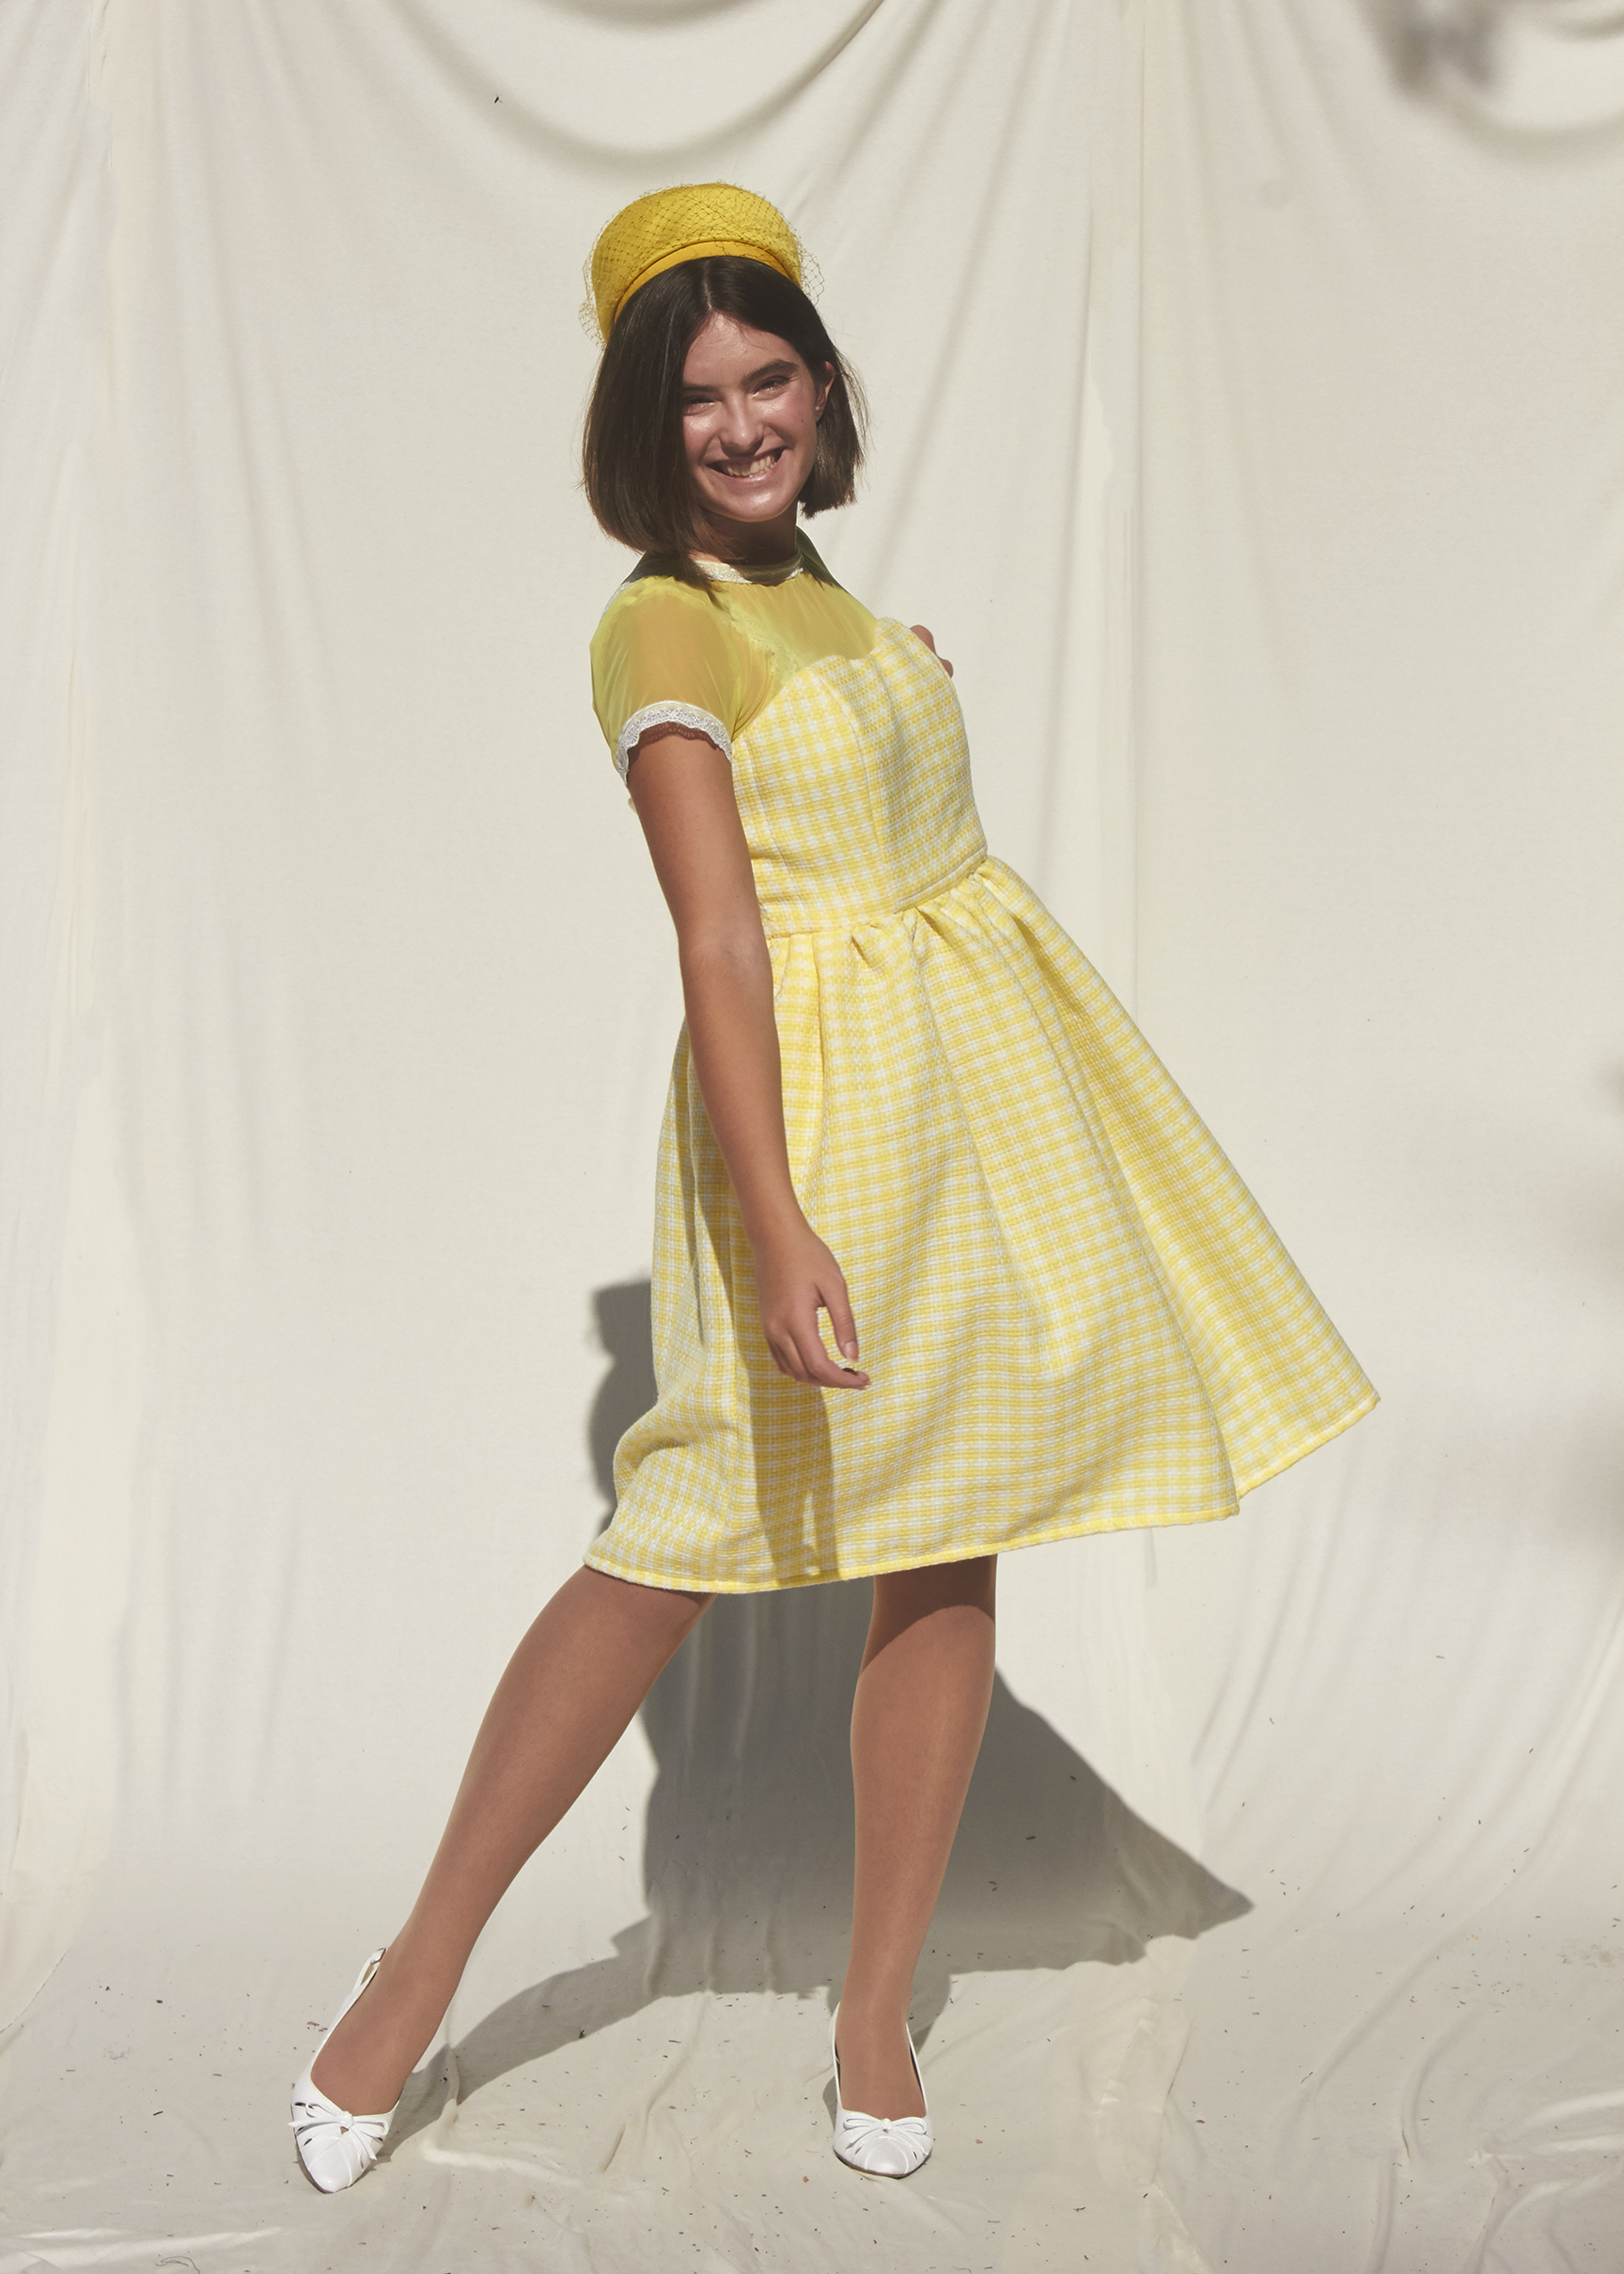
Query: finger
[
  {"x": 824, "y": 1373},
  {"x": 833, "y": 1375},
  {"x": 819, "y": 1368},
  {"x": 785, "y": 1349},
  {"x": 785, "y": 1352},
  {"x": 838, "y": 1303}
]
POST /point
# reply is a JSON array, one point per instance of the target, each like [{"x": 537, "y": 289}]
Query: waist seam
[{"x": 849, "y": 922}]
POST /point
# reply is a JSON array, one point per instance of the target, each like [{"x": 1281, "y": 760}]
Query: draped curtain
[{"x": 1249, "y": 425}]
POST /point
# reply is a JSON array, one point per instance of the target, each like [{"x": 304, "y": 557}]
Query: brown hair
[{"x": 635, "y": 470}]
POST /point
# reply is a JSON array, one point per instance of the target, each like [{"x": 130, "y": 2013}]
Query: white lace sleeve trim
[{"x": 669, "y": 714}]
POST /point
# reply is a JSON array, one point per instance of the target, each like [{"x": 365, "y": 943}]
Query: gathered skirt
[{"x": 1074, "y": 1315}]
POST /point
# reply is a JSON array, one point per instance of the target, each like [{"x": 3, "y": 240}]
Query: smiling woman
[{"x": 901, "y": 1094}]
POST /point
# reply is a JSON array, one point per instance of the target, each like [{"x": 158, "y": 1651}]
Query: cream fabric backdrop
[{"x": 1250, "y": 392}]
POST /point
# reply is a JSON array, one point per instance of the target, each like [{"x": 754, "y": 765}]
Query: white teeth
[{"x": 755, "y": 468}]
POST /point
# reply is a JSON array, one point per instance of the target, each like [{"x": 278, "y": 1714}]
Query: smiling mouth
[{"x": 752, "y": 469}]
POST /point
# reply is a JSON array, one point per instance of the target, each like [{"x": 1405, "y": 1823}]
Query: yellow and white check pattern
[{"x": 1075, "y": 1316}]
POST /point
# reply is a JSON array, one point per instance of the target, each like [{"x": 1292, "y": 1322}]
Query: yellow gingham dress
[{"x": 1075, "y": 1316}]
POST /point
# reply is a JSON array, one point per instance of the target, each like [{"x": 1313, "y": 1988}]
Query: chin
[{"x": 755, "y": 508}]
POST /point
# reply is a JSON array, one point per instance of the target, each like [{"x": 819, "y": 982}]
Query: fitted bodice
[{"x": 853, "y": 788}]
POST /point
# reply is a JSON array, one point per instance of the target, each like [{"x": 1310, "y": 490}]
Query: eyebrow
[{"x": 780, "y": 363}]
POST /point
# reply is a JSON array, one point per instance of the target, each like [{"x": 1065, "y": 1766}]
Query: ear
[{"x": 824, "y": 385}]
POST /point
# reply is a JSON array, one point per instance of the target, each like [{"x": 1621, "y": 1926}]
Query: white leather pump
[
  {"x": 334, "y": 2147},
  {"x": 886, "y": 2147}
]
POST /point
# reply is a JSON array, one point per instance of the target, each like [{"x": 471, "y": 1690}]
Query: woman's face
[{"x": 750, "y": 409}]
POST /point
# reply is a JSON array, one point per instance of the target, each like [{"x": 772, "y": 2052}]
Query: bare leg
[
  {"x": 916, "y": 1724},
  {"x": 569, "y": 1690}
]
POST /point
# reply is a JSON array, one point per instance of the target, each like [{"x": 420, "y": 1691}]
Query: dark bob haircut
[{"x": 635, "y": 470}]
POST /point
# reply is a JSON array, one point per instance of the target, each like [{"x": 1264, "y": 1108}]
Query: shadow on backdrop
[
  {"x": 1543, "y": 71},
  {"x": 748, "y": 1842}
]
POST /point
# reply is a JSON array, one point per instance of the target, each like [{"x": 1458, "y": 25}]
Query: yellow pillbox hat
[{"x": 693, "y": 222}]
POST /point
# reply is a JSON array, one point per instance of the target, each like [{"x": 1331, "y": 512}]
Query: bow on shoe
[
  {"x": 889, "y": 2146},
  {"x": 334, "y": 2147}
]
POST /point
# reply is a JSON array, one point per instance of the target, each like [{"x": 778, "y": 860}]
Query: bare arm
[{"x": 682, "y": 789}]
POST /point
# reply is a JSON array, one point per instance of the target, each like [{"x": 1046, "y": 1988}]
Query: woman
[{"x": 1074, "y": 1315}]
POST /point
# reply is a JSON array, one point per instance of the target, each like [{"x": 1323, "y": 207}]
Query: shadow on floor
[{"x": 748, "y": 1845}]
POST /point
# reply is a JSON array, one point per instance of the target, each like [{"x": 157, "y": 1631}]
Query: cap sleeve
[{"x": 666, "y": 655}]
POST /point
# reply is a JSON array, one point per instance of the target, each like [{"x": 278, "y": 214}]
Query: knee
[
  {"x": 900, "y": 1597},
  {"x": 975, "y": 1583},
  {"x": 645, "y": 1614}
]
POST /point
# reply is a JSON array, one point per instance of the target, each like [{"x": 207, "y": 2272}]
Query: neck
[{"x": 751, "y": 544}]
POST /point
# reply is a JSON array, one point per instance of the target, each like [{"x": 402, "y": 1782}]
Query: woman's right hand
[{"x": 796, "y": 1276}]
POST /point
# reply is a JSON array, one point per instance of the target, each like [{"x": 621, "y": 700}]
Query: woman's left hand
[{"x": 920, "y": 632}]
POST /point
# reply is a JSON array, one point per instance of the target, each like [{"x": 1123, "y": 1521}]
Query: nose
[{"x": 740, "y": 427}]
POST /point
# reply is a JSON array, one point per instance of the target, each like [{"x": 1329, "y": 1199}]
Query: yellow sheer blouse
[{"x": 666, "y": 655}]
